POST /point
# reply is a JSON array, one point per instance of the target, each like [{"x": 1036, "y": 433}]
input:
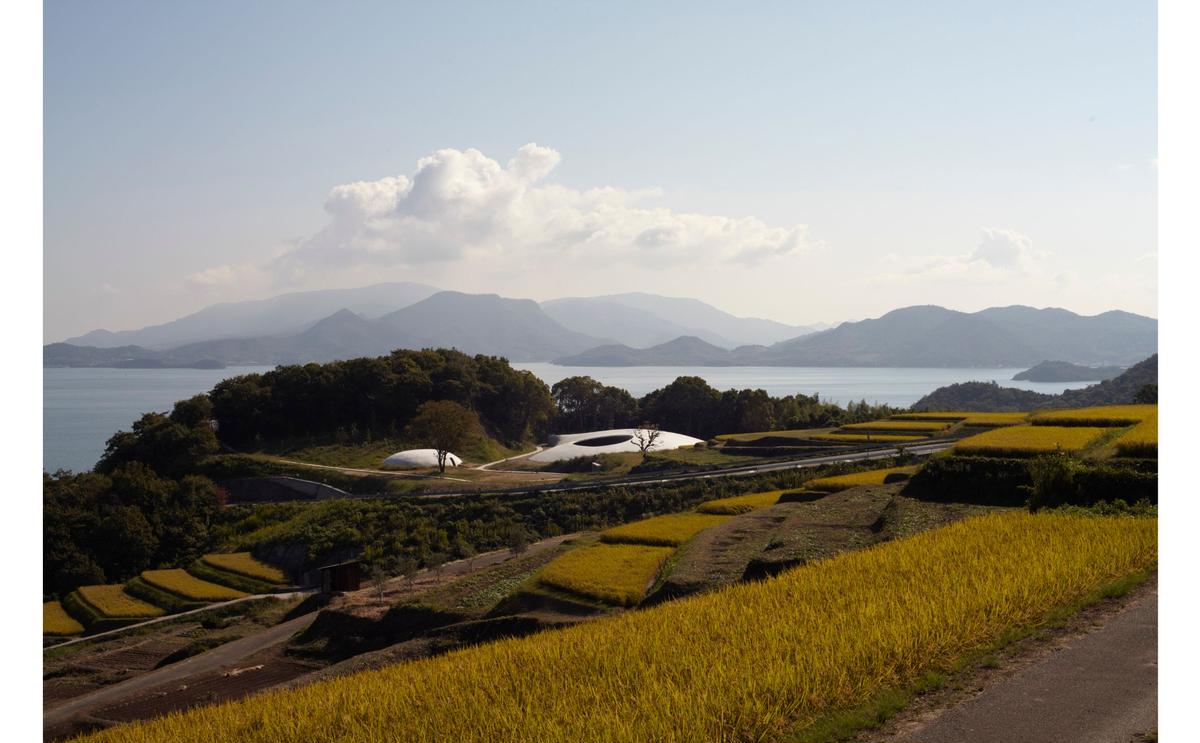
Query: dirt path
[
  {"x": 1098, "y": 687},
  {"x": 225, "y": 655}
]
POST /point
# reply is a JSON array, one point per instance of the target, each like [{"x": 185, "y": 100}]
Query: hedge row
[{"x": 1005, "y": 481}]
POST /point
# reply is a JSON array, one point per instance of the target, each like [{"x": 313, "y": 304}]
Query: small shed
[{"x": 342, "y": 576}]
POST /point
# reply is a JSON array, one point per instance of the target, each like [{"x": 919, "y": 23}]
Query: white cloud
[
  {"x": 462, "y": 205},
  {"x": 1001, "y": 254}
]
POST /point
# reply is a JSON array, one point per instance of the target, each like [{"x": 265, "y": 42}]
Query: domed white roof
[
  {"x": 612, "y": 441},
  {"x": 420, "y": 458}
]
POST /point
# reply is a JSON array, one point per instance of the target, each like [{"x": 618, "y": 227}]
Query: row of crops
[
  {"x": 910, "y": 427},
  {"x": 620, "y": 568},
  {"x": 755, "y": 661},
  {"x": 154, "y": 593},
  {"x": 1131, "y": 429},
  {"x": 627, "y": 560}
]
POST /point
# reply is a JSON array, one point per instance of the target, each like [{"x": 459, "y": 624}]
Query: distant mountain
[
  {"x": 683, "y": 351},
  {"x": 484, "y": 323},
  {"x": 629, "y": 326},
  {"x": 285, "y": 314},
  {"x": 1005, "y": 336},
  {"x": 930, "y": 336},
  {"x": 989, "y": 396},
  {"x": 1064, "y": 371},
  {"x": 472, "y": 323},
  {"x": 641, "y": 320},
  {"x": 121, "y": 357}
]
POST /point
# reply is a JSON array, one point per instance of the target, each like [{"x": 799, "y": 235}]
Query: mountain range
[
  {"x": 922, "y": 336},
  {"x": 616, "y": 330}
]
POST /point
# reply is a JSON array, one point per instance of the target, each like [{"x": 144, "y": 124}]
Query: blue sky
[{"x": 802, "y": 161}]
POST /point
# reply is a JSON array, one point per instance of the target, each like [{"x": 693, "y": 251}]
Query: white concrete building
[
  {"x": 420, "y": 458},
  {"x": 572, "y": 445}
]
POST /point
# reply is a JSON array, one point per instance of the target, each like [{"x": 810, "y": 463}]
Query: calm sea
[{"x": 82, "y": 408}]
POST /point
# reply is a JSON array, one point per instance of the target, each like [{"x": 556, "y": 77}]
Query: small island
[{"x": 1065, "y": 371}]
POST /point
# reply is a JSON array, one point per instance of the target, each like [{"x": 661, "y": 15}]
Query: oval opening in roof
[{"x": 604, "y": 440}]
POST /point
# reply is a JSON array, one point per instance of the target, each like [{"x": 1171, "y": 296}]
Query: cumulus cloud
[
  {"x": 461, "y": 204},
  {"x": 1000, "y": 254}
]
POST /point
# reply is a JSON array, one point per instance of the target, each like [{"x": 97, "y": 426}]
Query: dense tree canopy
[
  {"x": 171, "y": 444},
  {"x": 584, "y": 404},
  {"x": 101, "y": 528},
  {"x": 379, "y": 395}
]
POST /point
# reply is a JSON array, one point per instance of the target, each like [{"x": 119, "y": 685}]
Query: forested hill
[{"x": 1120, "y": 390}]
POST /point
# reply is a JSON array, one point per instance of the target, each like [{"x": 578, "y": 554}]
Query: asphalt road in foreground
[
  {"x": 1101, "y": 688},
  {"x": 750, "y": 469}
]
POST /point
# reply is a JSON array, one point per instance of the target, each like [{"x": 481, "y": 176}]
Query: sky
[{"x": 806, "y": 162}]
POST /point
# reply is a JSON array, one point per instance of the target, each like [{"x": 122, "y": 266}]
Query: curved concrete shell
[
  {"x": 420, "y": 458},
  {"x": 613, "y": 441}
]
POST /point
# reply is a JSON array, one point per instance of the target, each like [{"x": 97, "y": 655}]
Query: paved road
[
  {"x": 1102, "y": 688},
  {"x": 749, "y": 469},
  {"x": 225, "y": 655}
]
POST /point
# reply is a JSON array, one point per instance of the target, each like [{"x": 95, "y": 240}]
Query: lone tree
[
  {"x": 645, "y": 436},
  {"x": 444, "y": 425}
]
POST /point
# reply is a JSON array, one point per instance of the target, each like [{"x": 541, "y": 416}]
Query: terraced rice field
[
  {"x": 180, "y": 582},
  {"x": 793, "y": 433},
  {"x": 111, "y": 601},
  {"x": 243, "y": 563},
  {"x": 617, "y": 574},
  {"x": 740, "y": 503},
  {"x": 897, "y": 426},
  {"x": 56, "y": 620},
  {"x": 756, "y": 661},
  {"x": 966, "y": 418},
  {"x": 1108, "y": 415},
  {"x": 855, "y": 479},
  {"x": 1026, "y": 441},
  {"x": 1141, "y": 440},
  {"x": 863, "y": 438},
  {"x": 662, "y": 531}
]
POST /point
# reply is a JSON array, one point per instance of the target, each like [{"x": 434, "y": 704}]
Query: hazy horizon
[{"x": 802, "y": 164}]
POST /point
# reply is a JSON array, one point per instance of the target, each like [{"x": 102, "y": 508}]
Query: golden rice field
[
  {"x": 243, "y": 563},
  {"x": 894, "y": 425},
  {"x": 951, "y": 417},
  {"x": 754, "y": 661},
  {"x": 995, "y": 419},
  {"x": 616, "y": 574},
  {"x": 1141, "y": 440},
  {"x": 865, "y": 437},
  {"x": 179, "y": 581},
  {"x": 671, "y": 530},
  {"x": 1024, "y": 441},
  {"x": 740, "y": 503},
  {"x": 791, "y": 433},
  {"x": 1108, "y": 415},
  {"x": 56, "y": 620},
  {"x": 113, "y": 602},
  {"x": 855, "y": 479}
]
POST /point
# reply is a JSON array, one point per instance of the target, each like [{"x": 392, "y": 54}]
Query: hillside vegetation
[
  {"x": 750, "y": 662},
  {"x": 989, "y": 396}
]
